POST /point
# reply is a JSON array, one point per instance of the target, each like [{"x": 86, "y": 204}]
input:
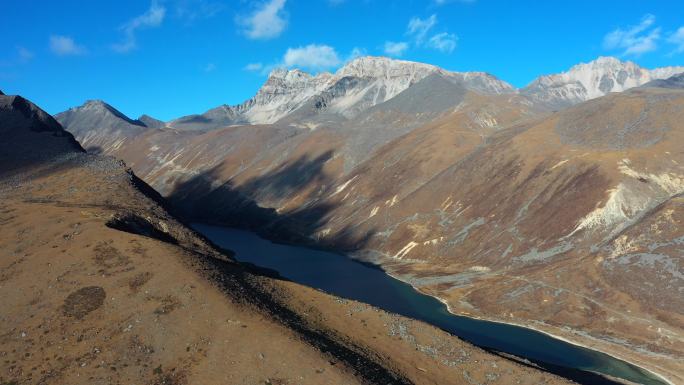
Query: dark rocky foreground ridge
[{"x": 101, "y": 285}]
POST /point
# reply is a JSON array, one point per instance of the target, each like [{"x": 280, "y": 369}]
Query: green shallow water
[{"x": 342, "y": 276}]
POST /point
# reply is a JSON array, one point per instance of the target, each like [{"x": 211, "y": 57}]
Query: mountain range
[
  {"x": 368, "y": 81},
  {"x": 557, "y": 206}
]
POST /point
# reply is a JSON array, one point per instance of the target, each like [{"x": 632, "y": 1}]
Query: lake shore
[
  {"x": 374, "y": 263},
  {"x": 550, "y": 334}
]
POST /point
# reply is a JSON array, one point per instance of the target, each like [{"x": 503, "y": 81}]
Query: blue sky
[{"x": 169, "y": 58}]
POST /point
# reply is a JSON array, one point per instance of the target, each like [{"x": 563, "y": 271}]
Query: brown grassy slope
[{"x": 101, "y": 286}]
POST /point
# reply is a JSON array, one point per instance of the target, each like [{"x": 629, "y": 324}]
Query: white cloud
[
  {"x": 312, "y": 57},
  {"x": 254, "y": 67},
  {"x": 267, "y": 21},
  {"x": 153, "y": 17},
  {"x": 677, "y": 38},
  {"x": 635, "y": 40},
  {"x": 444, "y": 42},
  {"x": 210, "y": 67},
  {"x": 395, "y": 48},
  {"x": 418, "y": 28},
  {"x": 64, "y": 46}
]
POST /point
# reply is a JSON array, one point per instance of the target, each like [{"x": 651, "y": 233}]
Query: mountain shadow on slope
[
  {"x": 199, "y": 199},
  {"x": 23, "y": 127}
]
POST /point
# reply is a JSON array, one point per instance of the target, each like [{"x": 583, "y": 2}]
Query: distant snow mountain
[
  {"x": 591, "y": 80},
  {"x": 359, "y": 85}
]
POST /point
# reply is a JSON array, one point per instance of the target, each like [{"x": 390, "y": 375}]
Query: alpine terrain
[
  {"x": 102, "y": 285},
  {"x": 557, "y": 206}
]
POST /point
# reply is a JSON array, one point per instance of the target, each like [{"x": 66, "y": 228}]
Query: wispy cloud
[
  {"x": 65, "y": 46},
  {"x": 392, "y": 48},
  {"x": 677, "y": 38},
  {"x": 254, "y": 67},
  {"x": 18, "y": 57},
  {"x": 634, "y": 40},
  {"x": 24, "y": 55},
  {"x": 311, "y": 58},
  {"x": 418, "y": 28},
  {"x": 266, "y": 22},
  {"x": 444, "y": 42},
  {"x": 153, "y": 17},
  {"x": 210, "y": 67},
  {"x": 421, "y": 34}
]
